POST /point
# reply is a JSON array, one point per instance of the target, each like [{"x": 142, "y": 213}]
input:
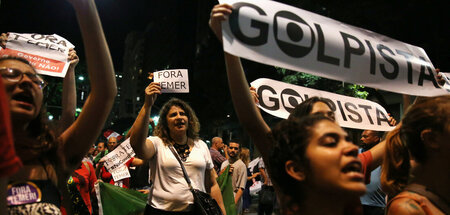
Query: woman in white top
[{"x": 178, "y": 126}]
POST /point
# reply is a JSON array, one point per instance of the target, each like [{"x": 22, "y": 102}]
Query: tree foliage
[{"x": 315, "y": 82}]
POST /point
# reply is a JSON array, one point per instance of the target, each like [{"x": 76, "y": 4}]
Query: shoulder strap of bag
[{"x": 182, "y": 167}]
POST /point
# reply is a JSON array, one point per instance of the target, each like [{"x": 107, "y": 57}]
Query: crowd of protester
[{"x": 309, "y": 164}]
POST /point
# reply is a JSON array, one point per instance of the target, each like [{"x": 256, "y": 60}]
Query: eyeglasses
[{"x": 15, "y": 75}]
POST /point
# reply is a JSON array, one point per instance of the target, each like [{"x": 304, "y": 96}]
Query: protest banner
[
  {"x": 47, "y": 53},
  {"x": 276, "y": 34},
  {"x": 279, "y": 99},
  {"x": 173, "y": 81},
  {"x": 120, "y": 173},
  {"x": 120, "y": 155}
]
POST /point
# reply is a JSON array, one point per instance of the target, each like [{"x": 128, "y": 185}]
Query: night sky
[{"x": 420, "y": 23}]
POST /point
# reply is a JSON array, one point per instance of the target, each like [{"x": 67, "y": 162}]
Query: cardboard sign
[
  {"x": 120, "y": 173},
  {"x": 121, "y": 154},
  {"x": 279, "y": 99},
  {"x": 276, "y": 34},
  {"x": 47, "y": 53},
  {"x": 173, "y": 81}
]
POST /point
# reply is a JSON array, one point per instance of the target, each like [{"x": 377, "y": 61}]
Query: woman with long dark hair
[
  {"x": 177, "y": 127},
  {"x": 48, "y": 159}
]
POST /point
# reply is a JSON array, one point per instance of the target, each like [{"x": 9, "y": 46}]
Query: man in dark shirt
[{"x": 216, "y": 145}]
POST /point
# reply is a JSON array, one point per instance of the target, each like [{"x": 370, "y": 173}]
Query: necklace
[{"x": 182, "y": 150}]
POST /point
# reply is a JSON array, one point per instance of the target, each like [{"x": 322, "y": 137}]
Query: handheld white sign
[
  {"x": 120, "y": 173},
  {"x": 276, "y": 34},
  {"x": 279, "y": 99},
  {"x": 47, "y": 53},
  {"x": 119, "y": 156},
  {"x": 173, "y": 81}
]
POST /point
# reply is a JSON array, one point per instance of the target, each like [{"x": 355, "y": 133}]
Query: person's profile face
[
  {"x": 333, "y": 160},
  {"x": 101, "y": 147}
]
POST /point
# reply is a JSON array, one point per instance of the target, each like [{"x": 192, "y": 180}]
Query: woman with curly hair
[
  {"x": 415, "y": 171},
  {"x": 178, "y": 127},
  {"x": 315, "y": 166},
  {"x": 48, "y": 159}
]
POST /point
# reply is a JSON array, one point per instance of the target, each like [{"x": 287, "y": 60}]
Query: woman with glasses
[{"x": 48, "y": 159}]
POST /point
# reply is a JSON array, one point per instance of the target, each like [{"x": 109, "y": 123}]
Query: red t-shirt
[
  {"x": 85, "y": 180},
  {"x": 366, "y": 160},
  {"x": 107, "y": 177},
  {"x": 9, "y": 162}
]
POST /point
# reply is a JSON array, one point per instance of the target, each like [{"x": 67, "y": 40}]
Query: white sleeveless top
[{"x": 170, "y": 191}]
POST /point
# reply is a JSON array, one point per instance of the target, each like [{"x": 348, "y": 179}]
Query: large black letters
[
  {"x": 276, "y": 103},
  {"x": 348, "y": 50},
  {"x": 386, "y": 74},
  {"x": 262, "y": 26},
  {"x": 295, "y": 33}
]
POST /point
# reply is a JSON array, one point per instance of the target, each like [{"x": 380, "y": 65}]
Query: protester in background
[
  {"x": 216, "y": 156},
  {"x": 101, "y": 152},
  {"x": 48, "y": 161},
  {"x": 178, "y": 127},
  {"x": 81, "y": 188},
  {"x": 266, "y": 197},
  {"x": 238, "y": 172},
  {"x": 373, "y": 201},
  {"x": 423, "y": 138},
  {"x": 246, "y": 198},
  {"x": 89, "y": 156},
  {"x": 102, "y": 173},
  {"x": 112, "y": 144}
]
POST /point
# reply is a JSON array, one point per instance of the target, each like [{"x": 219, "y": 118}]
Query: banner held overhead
[
  {"x": 279, "y": 99},
  {"x": 276, "y": 34}
]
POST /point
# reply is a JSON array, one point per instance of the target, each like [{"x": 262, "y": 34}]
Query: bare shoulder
[{"x": 405, "y": 206}]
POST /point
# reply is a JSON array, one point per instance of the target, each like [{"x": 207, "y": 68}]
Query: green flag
[
  {"x": 114, "y": 200},
  {"x": 226, "y": 187}
]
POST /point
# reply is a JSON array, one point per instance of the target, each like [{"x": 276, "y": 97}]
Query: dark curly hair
[
  {"x": 42, "y": 143},
  {"x": 305, "y": 108},
  {"x": 291, "y": 138},
  {"x": 162, "y": 129}
]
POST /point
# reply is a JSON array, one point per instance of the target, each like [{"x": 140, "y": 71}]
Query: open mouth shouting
[
  {"x": 180, "y": 124},
  {"x": 353, "y": 170},
  {"x": 24, "y": 99}
]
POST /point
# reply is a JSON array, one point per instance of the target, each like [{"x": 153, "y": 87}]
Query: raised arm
[
  {"x": 69, "y": 94},
  {"x": 243, "y": 102},
  {"x": 78, "y": 138},
  {"x": 138, "y": 138}
]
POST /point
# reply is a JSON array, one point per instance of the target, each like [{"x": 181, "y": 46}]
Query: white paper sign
[
  {"x": 47, "y": 53},
  {"x": 119, "y": 156},
  {"x": 276, "y": 34},
  {"x": 120, "y": 173},
  {"x": 173, "y": 81},
  {"x": 279, "y": 99}
]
